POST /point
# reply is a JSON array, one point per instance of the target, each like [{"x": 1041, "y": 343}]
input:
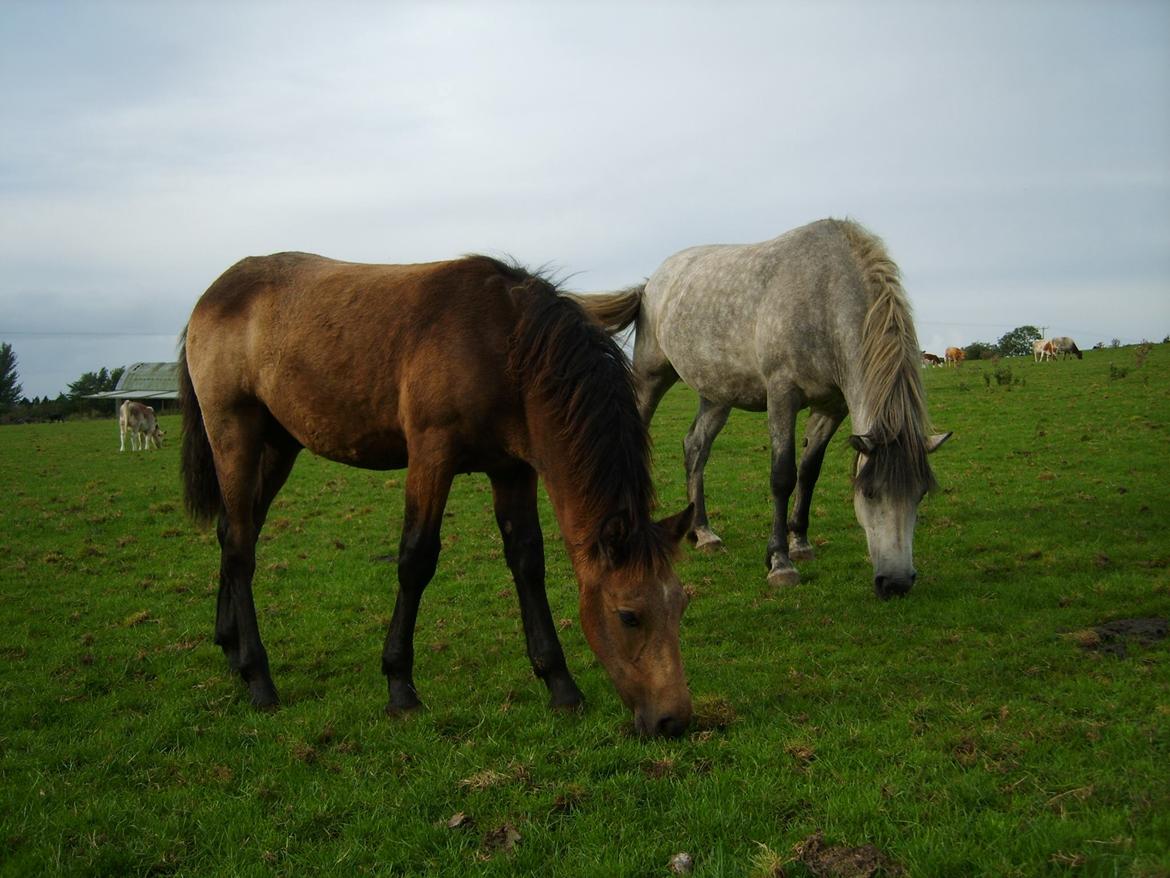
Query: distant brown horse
[
  {"x": 470, "y": 365},
  {"x": 955, "y": 356}
]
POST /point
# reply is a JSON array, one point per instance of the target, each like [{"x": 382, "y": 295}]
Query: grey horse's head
[{"x": 890, "y": 480}]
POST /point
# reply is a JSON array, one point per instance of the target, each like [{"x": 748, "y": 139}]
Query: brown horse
[
  {"x": 470, "y": 365},
  {"x": 955, "y": 356}
]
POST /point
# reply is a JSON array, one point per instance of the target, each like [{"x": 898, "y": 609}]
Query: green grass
[{"x": 961, "y": 730}]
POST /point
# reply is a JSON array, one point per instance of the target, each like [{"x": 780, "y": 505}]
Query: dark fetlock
[
  {"x": 403, "y": 698},
  {"x": 564, "y": 694}
]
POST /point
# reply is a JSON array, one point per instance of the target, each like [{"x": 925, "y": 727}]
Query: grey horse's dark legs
[
  {"x": 817, "y": 432},
  {"x": 782, "y": 408},
  {"x": 696, "y": 448}
]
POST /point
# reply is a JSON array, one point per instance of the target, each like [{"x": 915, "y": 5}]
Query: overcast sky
[{"x": 1015, "y": 157}]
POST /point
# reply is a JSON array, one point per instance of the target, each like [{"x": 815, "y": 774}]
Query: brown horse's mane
[
  {"x": 582, "y": 378},
  {"x": 892, "y": 381}
]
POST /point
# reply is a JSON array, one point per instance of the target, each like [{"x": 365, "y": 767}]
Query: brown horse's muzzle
[{"x": 671, "y": 722}]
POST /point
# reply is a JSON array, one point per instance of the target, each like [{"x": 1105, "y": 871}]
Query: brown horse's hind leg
[
  {"x": 428, "y": 482},
  {"x": 817, "y": 433},
  {"x": 696, "y": 449},
  {"x": 237, "y": 445},
  {"x": 276, "y": 463},
  {"x": 516, "y": 515}
]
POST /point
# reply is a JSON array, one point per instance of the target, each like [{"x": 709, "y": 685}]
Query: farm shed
[{"x": 156, "y": 384}]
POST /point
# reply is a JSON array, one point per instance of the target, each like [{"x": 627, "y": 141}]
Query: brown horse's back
[{"x": 352, "y": 359}]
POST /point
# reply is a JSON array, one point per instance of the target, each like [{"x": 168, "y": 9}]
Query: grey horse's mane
[{"x": 891, "y": 381}]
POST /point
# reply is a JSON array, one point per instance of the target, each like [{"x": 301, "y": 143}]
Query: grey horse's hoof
[
  {"x": 780, "y": 577},
  {"x": 707, "y": 541},
  {"x": 800, "y": 550}
]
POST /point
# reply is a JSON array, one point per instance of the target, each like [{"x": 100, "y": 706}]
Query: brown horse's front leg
[
  {"x": 427, "y": 486},
  {"x": 519, "y": 522}
]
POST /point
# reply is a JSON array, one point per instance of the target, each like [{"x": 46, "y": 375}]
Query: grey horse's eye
[{"x": 629, "y": 618}]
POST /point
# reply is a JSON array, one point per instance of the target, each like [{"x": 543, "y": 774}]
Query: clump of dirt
[
  {"x": 841, "y": 861},
  {"x": 1113, "y": 637}
]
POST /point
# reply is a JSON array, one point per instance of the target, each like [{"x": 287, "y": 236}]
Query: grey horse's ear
[
  {"x": 935, "y": 442},
  {"x": 863, "y": 444},
  {"x": 614, "y": 539}
]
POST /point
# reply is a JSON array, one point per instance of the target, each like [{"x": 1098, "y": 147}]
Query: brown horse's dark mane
[{"x": 585, "y": 383}]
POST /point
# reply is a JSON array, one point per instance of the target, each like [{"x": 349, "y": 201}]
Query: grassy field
[{"x": 979, "y": 726}]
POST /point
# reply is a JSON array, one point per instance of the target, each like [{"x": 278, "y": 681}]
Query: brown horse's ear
[
  {"x": 862, "y": 444},
  {"x": 935, "y": 442},
  {"x": 614, "y": 539},
  {"x": 678, "y": 526}
]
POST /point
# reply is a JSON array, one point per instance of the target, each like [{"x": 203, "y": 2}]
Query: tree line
[{"x": 15, "y": 407}]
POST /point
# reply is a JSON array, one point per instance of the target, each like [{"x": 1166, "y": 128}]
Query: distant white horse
[
  {"x": 815, "y": 318},
  {"x": 139, "y": 421}
]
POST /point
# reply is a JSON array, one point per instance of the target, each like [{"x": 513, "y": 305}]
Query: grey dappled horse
[{"x": 815, "y": 318}]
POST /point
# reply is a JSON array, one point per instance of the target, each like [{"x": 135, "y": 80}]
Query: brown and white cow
[
  {"x": 138, "y": 420},
  {"x": 1043, "y": 349},
  {"x": 931, "y": 359}
]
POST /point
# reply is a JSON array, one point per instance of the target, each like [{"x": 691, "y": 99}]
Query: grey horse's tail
[
  {"x": 200, "y": 484},
  {"x": 614, "y": 311}
]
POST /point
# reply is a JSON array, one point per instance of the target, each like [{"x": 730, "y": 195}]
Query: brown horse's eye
[{"x": 629, "y": 618}]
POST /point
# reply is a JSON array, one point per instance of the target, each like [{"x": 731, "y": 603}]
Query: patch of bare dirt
[
  {"x": 842, "y": 861},
  {"x": 1114, "y": 637}
]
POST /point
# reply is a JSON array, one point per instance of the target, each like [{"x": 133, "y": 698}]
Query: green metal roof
[{"x": 145, "y": 381}]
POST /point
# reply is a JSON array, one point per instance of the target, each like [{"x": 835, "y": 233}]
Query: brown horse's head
[{"x": 630, "y": 612}]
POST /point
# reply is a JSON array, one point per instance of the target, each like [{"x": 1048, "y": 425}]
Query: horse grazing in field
[
  {"x": 815, "y": 318},
  {"x": 955, "y": 356},
  {"x": 931, "y": 359},
  {"x": 1042, "y": 350},
  {"x": 1066, "y": 347},
  {"x": 443, "y": 368}
]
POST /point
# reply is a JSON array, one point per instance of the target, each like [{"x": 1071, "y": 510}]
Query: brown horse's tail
[
  {"x": 200, "y": 484},
  {"x": 614, "y": 311}
]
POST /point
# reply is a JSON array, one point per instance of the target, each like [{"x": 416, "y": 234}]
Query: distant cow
[
  {"x": 1043, "y": 349},
  {"x": 1064, "y": 345},
  {"x": 931, "y": 359},
  {"x": 955, "y": 356},
  {"x": 138, "y": 420}
]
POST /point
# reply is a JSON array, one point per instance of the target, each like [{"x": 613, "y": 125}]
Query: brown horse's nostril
[{"x": 670, "y": 727}]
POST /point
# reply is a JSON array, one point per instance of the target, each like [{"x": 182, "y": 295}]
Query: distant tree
[
  {"x": 981, "y": 350},
  {"x": 1018, "y": 342},
  {"x": 10, "y": 389},
  {"x": 100, "y": 381}
]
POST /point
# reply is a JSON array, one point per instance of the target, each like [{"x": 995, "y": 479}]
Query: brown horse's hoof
[
  {"x": 263, "y": 696},
  {"x": 782, "y": 577},
  {"x": 401, "y": 710}
]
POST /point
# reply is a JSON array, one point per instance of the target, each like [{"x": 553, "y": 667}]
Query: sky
[{"x": 1015, "y": 157}]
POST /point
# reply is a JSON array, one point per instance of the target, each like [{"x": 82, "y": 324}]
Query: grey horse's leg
[
  {"x": 817, "y": 433},
  {"x": 782, "y": 408},
  {"x": 696, "y": 448}
]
